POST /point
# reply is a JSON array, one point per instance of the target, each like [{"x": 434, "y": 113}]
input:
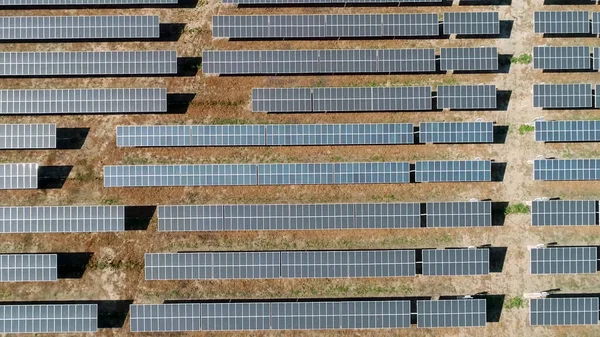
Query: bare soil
[{"x": 115, "y": 271}]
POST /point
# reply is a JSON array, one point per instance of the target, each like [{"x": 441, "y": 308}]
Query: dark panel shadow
[
  {"x": 71, "y": 138},
  {"x": 180, "y": 4},
  {"x": 300, "y": 300},
  {"x": 553, "y": 294},
  {"x": 51, "y": 177},
  {"x": 188, "y": 66},
  {"x": 498, "y": 171},
  {"x": 179, "y": 103},
  {"x": 111, "y": 314},
  {"x": 504, "y": 63},
  {"x": 503, "y": 99},
  {"x": 423, "y": 207},
  {"x": 500, "y": 133},
  {"x": 566, "y": 36},
  {"x": 72, "y": 265},
  {"x": 412, "y": 175},
  {"x": 568, "y": 71},
  {"x": 497, "y": 258},
  {"x": 137, "y": 218},
  {"x": 568, "y": 2},
  {"x": 505, "y": 27},
  {"x": 493, "y": 306},
  {"x": 341, "y": 38},
  {"x": 355, "y": 4},
  {"x": 171, "y": 31},
  {"x": 485, "y": 2},
  {"x": 498, "y": 215},
  {"x": 334, "y": 74}
]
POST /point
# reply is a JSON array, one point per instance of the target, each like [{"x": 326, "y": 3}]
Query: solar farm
[{"x": 299, "y": 167}]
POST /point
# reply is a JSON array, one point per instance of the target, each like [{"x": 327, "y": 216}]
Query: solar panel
[
  {"x": 555, "y": 96},
  {"x": 18, "y": 176},
  {"x": 339, "y": 134},
  {"x": 338, "y": 264},
  {"x": 596, "y": 58},
  {"x": 453, "y": 170},
  {"x": 27, "y": 267},
  {"x": 62, "y": 219},
  {"x": 563, "y": 311},
  {"x": 281, "y": 100},
  {"x": 459, "y": 214},
  {"x": 561, "y": 58},
  {"x": 89, "y": 63},
  {"x": 324, "y": 26},
  {"x": 295, "y": 174},
  {"x": 82, "y": 101},
  {"x": 83, "y": 2},
  {"x": 455, "y": 262},
  {"x": 462, "y": 313},
  {"x": 307, "y": 2},
  {"x": 49, "y": 318},
  {"x": 471, "y": 23},
  {"x": 27, "y": 136},
  {"x": 288, "y": 217},
  {"x": 231, "y": 62},
  {"x": 564, "y": 212},
  {"x": 371, "y": 173},
  {"x": 562, "y": 22},
  {"x": 211, "y": 266},
  {"x": 595, "y": 24},
  {"x": 164, "y": 317},
  {"x": 567, "y": 131},
  {"x": 566, "y": 169},
  {"x": 466, "y": 97},
  {"x": 78, "y": 27},
  {"x": 372, "y": 99},
  {"x": 564, "y": 260},
  {"x": 235, "y": 316},
  {"x": 456, "y": 132},
  {"x": 469, "y": 59}
]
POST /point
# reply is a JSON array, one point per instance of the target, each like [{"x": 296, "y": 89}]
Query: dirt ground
[{"x": 115, "y": 271}]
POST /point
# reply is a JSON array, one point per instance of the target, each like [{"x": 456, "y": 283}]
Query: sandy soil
[{"x": 115, "y": 271}]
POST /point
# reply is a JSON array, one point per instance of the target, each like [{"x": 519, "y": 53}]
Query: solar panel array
[
  {"x": 341, "y": 99},
  {"x": 49, "y": 318},
  {"x": 164, "y": 317},
  {"x": 28, "y": 267},
  {"x": 288, "y": 217},
  {"x": 564, "y": 260},
  {"x": 566, "y": 169},
  {"x": 256, "y": 174},
  {"x": 469, "y": 59},
  {"x": 271, "y": 265},
  {"x": 555, "y": 96},
  {"x": 451, "y": 313},
  {"x": 562, "y": 22},
  {"x": 471, "y": 23},
  {"x": 82, "y": 101},
  {"x": 89, "y": 63},
  {"x": 305, "y": 315},
  {"x": 324, "y": 26},
  {"x": 27, "y": 136},
  {"x": 564, "y": 311},
  {"x": 18, "y": 176},
  {"x": 453, "y": 170},
  {"x": 561, "y": 58},
  {"x": 455, "y": 262},
  {"x": 62, "y": 219},
  {"x": 564, "y": 212},
  {"x": 459, "y": 214},
  {"x": 264, "y": 135},
  {"x": 233, "y": 62},
  {"x": 595, "y": 23},
  {"x": 78, "y": 27},
  {"x": 83, "y": 2},
  {"x": 567, "y": 131},
  {"x": 456, "y": 132},
  {"x": 466, "y": 97},
  {"x": 321, "y": 2}
]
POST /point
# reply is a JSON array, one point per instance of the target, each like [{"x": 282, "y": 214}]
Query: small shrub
[
  {"x": 519, "y": 208},
  {"x": 514, "y": 303},
  {"x": 523, "y": 129},
  {"x": 226, "y": 121},
  {"x": 111, "y": 201},
  {"x": 521, "y": 59}
]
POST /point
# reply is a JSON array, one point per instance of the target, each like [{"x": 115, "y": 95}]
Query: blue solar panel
[
  {"x": 339, "y": 134},
  {"x": 453, "y": 170},
  {"x": 372, "y": 173},
  {"x": 566, "y": 169},
  {"x": 567, "y": 131}
]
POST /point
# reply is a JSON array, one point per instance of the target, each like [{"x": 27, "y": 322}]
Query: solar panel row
[
  {"x": 469, "y": 59},
  {"x": 567, "y": 131},
  {"x": 78, "y": 27},
  {"x": 455, "y": 262},
  {"x": 27, "y": 136},
  {"x": 560, "y": 96},
  {"x": 62, "y": 219},
  {"x": 564, "y": 212},
  {"x": 82, "y": 101},
  {"x": 245, "y": 316},
  {"x": 232, "y": 62},
  {"x": 562, "y": 58},
  {"x": 321, "y": 2},
  {"x": 88, "y": 63},
  {"x": 28, "y": 267},
  {"x": 18, "y": 176},
  {"x": 264, "y": 135},
  {"x": 471, "y": 23},
  {"x": 83, "y": 2},
  {"x": 564, "y": 260},
  {"x": 561, "y": 22},
  {"x": 456, "y": 132},
  {"x": 453, "y": 171},
  {"x": 49, "y": 318},
  {"x": 465, "y": 97},
  {"x": 564, "y": 311},
  {"x": 271, "y": 265},
  {"x": 324, "y": 26},
  {"x": 566, "y": 169}
]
